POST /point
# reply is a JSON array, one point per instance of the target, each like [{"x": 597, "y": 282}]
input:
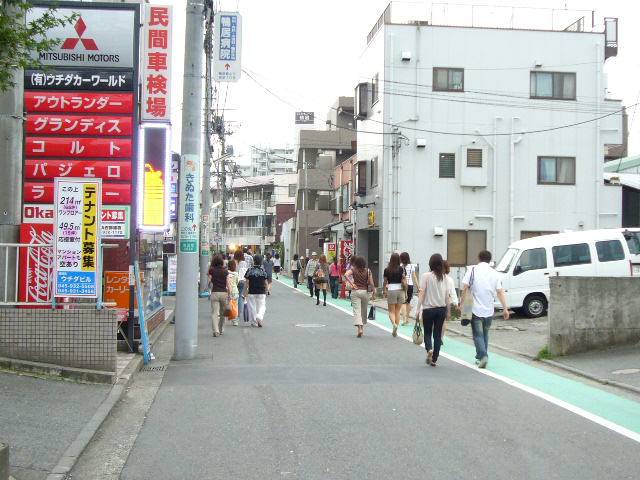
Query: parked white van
[{"x": 527, "y": 264}]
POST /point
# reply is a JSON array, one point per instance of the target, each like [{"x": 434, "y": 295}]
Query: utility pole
[
  {"x": 186, "y": 331},
  {"x": 206, "y": 164},
  {"x": 11, "y": 106}
]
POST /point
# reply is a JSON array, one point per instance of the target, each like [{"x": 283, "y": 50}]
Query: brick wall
[{"x": 72, "y": 338}]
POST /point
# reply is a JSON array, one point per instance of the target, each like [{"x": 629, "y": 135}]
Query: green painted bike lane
[{"x": 608, "y": 406}]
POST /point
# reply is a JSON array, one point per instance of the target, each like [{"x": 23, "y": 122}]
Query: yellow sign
[
  {"x": 90, "y": 227},
  {"x": 371, "y": 217},
  {"x": 153, "y": 204}
]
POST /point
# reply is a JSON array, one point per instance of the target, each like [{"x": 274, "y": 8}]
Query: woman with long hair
[
  {"x": 412, "y": 283},
  {"x": 295, "y": 268},
  {"x": 454, "y": 299},
  {"x": 435, "y": 295},
  {"x": 334, "y": 277},
  {"x": 220, "y": 293},
  {"x": 359, "y": 278},
  {"x": 321, "y": 279},
  {"x": 242, "y": 267},
  {"x": 394, "y": 290}
]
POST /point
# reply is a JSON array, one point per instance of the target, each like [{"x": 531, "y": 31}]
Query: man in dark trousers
[{"x": 309, "y": 271}]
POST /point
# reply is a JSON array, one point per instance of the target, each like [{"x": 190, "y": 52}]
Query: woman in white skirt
[{"x": 256, "y": 291}]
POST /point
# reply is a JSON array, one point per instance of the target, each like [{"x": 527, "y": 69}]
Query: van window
[
  {"x": 633, "y": 241},
  {"x": 610, "y": 251},
  {"x": 505, "y": 263},
  {"x": 533, "y": 259},
  {"x": 564, "y": 255}
]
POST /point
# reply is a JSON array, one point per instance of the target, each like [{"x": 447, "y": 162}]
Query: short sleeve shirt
[
  {"x": 218, "y": 279},
  {"x": 257, "y": 280},
  {"x": 486, "y": 281}
]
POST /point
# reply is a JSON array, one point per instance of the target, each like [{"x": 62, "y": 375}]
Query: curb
[
  {"x": 559, "y": 365},
  {"x": 73, "y": 452},
  {"x": 57, "y": 371}
]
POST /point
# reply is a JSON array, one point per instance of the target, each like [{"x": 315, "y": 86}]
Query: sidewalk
[{"x": 48, "y": 423}]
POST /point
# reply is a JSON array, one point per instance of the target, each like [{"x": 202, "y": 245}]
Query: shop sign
[
  {"x": 36, "y": 264},
  {"x": 100, "y": 80},
  {"x": 188, "y": 220},
  {"x": 99, "y": 37},
  {"x": 371, "y": 218},
  {"x": 48, "y": 124},
  {"x": 114, "y": 218},
  {"x": 43, "y": 192},
  {"x": 155, "y": 163},
  {"x": 83, "y": 102},
  {"x": 82, "y": 147},
  {"x": 77, "y": 238},
  {"x": 156, "y": 63},
  {"x": 45, "y": 169},
  {"x": 172, "y": 273},
  {"x": 227, "y": 41},
  {"x": 116, "y": 289},
  {"x": 304, "y": 118}
]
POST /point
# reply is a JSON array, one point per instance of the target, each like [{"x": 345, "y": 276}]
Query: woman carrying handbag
[
  {"x": 220, "y": 294},
  {"x": 360, "y": 280}
]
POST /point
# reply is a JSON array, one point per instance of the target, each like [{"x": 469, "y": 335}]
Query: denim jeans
[
  {"x": 480, "y": 328},
  {"x": 334, "y": 283},
  {"x": 240, "y": 300},
  {"x": 432, "y": 321}
]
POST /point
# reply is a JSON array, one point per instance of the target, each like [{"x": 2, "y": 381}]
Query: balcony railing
[
  {"x": 251, "y": 231},
  {"x": 250, "y": 205}
]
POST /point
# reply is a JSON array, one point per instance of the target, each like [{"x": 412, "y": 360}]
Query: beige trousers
[
  {"x": 359, "y": 302},
  {"x": 218, "y": 302}
]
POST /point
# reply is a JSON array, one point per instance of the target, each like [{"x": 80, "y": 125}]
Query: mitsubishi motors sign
[{"x": 97, "y": 38}]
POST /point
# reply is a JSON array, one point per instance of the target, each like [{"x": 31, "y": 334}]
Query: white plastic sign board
[
  {"x": 227, "y": 43},
  {"x": 188, "y": 220},
  {"x": 172, "y": 273}
]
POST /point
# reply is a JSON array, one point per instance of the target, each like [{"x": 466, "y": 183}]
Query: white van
[{"x": 527, "y": 264}]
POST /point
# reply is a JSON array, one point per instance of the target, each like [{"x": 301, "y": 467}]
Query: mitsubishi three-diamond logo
[{"x": 87, "y": 43}]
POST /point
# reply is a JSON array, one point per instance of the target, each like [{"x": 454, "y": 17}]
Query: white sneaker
[
  {"x": 235, "y": 323},
  {"x": 483, "y": 362}
]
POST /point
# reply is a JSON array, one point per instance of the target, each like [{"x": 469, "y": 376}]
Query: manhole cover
[
  {"x": 310, "y": 325},
  {"x": 154, "y": 368},
  {"x": 626, "y": 371}
]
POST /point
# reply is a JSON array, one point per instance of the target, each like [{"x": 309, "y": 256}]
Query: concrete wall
[
  {"x": 72, "y": 338},
  {"x": 588, "y": 313}
]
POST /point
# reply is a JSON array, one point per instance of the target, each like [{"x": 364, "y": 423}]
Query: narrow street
[{"x": 304, "y": 398}]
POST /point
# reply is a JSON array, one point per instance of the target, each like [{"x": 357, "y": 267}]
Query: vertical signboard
[
  {"x": 156, "y": 63},
  {"x": 227, "y": 42},
  {"x": 77, "y": 203},
  {"x": 153, "y": 177},
  {"x": 172, "y": 273},
  {"x": 189, "y": 218}
]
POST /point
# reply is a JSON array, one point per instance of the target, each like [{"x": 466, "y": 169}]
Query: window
[
  {"x": 374, "y": 171},
  {"x": 565, "y": 255},
  {"x": 447, "y": 165},
  {"x": 463, "y": 246},
  {"x": 610, "y": 251},
  {"x": 524, "y": 234},
  {"x": 448, "y": 79},
  {"x": 362, "y": 101},
  {"x": 292, "y": 189},
  {"x": 534, "y": 259},
  {"x": 374, "y": 89},
  {"x": 345, "y": 198},
  {"x": 633, "y": 241},
  {"x": 557, "y": 170},
  {"x": 553, "y": 85},
  {"x": 474, "y": 157},
  {"x": 362, "y": 179}
]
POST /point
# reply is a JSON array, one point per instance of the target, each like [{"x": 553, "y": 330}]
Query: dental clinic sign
[
  {"x": 99, "y": 37},
  {"x": 77, "y": 207}
]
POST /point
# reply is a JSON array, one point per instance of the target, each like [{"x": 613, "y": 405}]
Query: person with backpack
[{"x": 295, "y": 268}]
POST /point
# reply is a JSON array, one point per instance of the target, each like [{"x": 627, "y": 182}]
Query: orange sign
[{"x": 116, "y": 289}]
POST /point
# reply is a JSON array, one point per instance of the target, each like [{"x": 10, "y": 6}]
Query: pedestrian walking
[
  {"x": 242, "y": 266},
  {"x": 453, "y": 304},
  {"x": 394, "y": 288},
  {"x": 248, "y": 256},
  {"x": 320, "y": 279},
  {"x": 256, "y": 291},
  {"x": 233, "y": 282},
  {"x": 220, "y": 293},
  {"x": 276, "y": 265},
  {"x": 410, "y": 272},
  {"x": 359, "y": 278},
  {"x": 295, "y": 268},
  {"x": 334, "y": 277},
  {"x": 484, "y": 282},
  {"x": 308, "y": 271},
  {"x": 268, "y": 268},
  {"x": 433, "y": 300}
]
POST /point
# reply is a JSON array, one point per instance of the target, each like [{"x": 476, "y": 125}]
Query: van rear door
[{"x": 633, "y": 242}]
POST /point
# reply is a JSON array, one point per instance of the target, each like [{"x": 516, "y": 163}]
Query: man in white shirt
[
  {"x": 484, "y": 282},
  {"x": 309, "y": 271}
]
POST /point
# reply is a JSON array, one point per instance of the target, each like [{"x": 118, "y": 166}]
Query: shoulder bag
[
  {"x": 418, "y": 334},
  {"x": 467, "y": 305}
]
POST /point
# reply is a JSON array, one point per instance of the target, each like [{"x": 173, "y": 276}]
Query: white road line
[{"x": 544, "y": 396}]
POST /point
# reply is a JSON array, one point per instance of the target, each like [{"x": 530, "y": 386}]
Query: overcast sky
[{"x": 307, "y": 53}]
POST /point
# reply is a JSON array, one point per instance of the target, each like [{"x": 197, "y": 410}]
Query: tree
[{"x": 19, "y": 39}]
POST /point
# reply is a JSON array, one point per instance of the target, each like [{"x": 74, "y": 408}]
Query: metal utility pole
[
  {"x": 11, "y": 106},
  {"x": 205, "y": 252},
  {"x": 186, "y": 331}
]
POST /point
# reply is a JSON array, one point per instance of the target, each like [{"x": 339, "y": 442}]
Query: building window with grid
[
  {"x": 553, "y": 85},
  {"x": 292, "y": 189},
  {"x": 556, "y": 170},
  {"x": 448, "y": 79},
  {"x": 463, "y": 246},
  {"x": 447, "y": 165},
  {"x": 474, "y": 157}
]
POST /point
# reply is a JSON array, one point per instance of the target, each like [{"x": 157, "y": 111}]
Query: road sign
[
  {"x": 189, "y": 203},
  {"x": 227, "y": 42}
]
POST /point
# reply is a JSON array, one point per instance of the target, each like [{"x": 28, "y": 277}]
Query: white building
[
  {"x": 483, "y": 136},
  {"x": 271, "y": 161}
]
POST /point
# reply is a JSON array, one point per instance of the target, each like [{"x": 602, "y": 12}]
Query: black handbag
[{"x": 372, "y": 313}]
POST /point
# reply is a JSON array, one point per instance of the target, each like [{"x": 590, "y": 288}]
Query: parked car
[{"x": 528, "y": 264}]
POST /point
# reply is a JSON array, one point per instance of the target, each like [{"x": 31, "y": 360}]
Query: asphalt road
[{"x": 315, "y": 402}]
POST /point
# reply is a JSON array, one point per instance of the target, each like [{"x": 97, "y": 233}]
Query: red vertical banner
[
  {"x": 36, "y": 264},
  {"x": 156, "y": 63}
]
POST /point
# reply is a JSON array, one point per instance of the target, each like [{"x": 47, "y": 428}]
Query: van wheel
[{"x": 534, "y": 306}]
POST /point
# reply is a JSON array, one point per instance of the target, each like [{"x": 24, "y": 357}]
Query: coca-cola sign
[{"x": 36, "y": 263}]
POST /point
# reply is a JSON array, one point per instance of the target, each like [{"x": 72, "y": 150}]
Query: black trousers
[
  {"x": 432, "y": 321},
  {"x": 310, "y": 285},
  {"x": 295, "y": 277}
]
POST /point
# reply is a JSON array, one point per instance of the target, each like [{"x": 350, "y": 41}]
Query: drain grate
[{"x": 154, "y": 368}]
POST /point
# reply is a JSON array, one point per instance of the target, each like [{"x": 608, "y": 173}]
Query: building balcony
[
  {"x": 315, "y": 179},
  {"x": 251, "y": 235},
  {"x": 250, "y": 208}
]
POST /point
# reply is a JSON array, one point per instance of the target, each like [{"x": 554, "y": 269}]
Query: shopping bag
[
  {"x": 467, "y": 304},
  {"x": 234, "y": 310},
  {"x": 249, "y": 314},
  {"x": 418, "y": 334},
  {"x": 372, "y": 313}
]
